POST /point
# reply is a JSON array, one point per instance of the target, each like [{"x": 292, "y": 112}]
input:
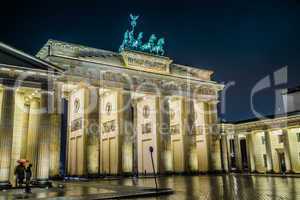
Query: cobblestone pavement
[{"x": 186, "y": 187}]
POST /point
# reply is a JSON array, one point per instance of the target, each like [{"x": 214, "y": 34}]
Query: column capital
[
  {"x": 36, "y": 99},
  {"x": 175, "y": 98},
  {"x": 213, "y": 102}
]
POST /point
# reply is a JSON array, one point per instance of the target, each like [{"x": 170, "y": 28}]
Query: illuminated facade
[
  {"x": 270, "y": 145},
  {"x": 103, "y": 112},
  {"x": 79, "y": 111}
]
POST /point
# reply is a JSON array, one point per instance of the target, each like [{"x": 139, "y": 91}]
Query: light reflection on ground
[
  {"x": 224, "y": 187},
  {"x": 186, "y": 187}
]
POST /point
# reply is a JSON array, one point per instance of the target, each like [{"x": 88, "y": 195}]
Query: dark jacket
[
  {"x": 28, "y": 173},
  {"x": 20, "y": 172}
]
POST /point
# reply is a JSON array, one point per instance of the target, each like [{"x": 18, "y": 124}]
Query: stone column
[
  {"x": 215, "y": 146},
  {"x": 17, "y": 131},
  {"x": 224, "y": 153},
  {"x": 135, "y": 142},
  {"x": 269, "y": 151},
  {"x": 202, "y": 136},
  {"x": 92, "y": 133},
  {"x": 55, "y": 121},
  {"x": 229, "y": 153},
  {"x": 287, "y": 152},
  {"x": 24, "y": 131},
  {"x": 251, "y": 160},
  {"x": 189, "y": 132},
  {"x": 6, "y": 136},
  {"x": 43, "y": 162},
  {"x": 127, "y": 126},
  {"x": 32, "y": 138},
  {"x": 55, "y": 136},
  {"x": 166, "y": 158},
  {"x": 238, "y": 155}
]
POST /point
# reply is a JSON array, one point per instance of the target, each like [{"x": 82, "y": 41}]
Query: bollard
[{"x": 151, "y": 151}]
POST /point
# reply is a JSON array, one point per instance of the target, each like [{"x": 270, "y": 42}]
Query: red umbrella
[{"x": 22, "y": 161}]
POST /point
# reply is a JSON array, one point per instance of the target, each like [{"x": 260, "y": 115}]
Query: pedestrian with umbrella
[{"x": 20, "y": 172}]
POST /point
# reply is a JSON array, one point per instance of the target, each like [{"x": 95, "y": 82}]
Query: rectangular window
[
  {"x": 298, "y": 137},
  {"x": 280, "y": 138},
  {"x": 265, "y": 160},
  {"x": 263, "y": 139}
]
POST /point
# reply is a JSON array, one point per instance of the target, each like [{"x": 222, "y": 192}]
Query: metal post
[{"x": 151, "y": 151}]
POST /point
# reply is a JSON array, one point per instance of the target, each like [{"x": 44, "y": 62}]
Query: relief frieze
[
  {"x": 109, "y": 126},
  {"x": 76, "y": 125},
  {"x": 146, "y": 128}
]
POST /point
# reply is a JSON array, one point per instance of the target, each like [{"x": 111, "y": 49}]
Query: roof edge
[{"x": 30, "y": 57}]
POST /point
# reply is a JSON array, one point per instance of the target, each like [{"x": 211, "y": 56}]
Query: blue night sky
[{"x": 242, "y": 42}]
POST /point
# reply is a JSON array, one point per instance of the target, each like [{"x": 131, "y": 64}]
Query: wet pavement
[
  {"x": 227, "y": 187},
  {"x": 77, "y": 190},
  {"x": 186, "y": 187}
]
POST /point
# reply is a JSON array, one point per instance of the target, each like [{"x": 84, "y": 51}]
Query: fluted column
[
  {"x": 24, "y": 131},
  {"x": 287, "y": 152},
  {"x": 17, "y": 131},
  {"x": 135, "y": 142},
  {"x": 229, "y": 153},
  {"x": 55, "y": 139},
  {"x": 215, "y": 144},
  {"x": 43, "y": 162},
  {"x": 165, "y": 138},
  {"x": 225, "y": 153},
  {"x": 6, "y": 135},
  {"x": 238, "y": 155},
  {"x": 202, "y": 137},
  {"x": 269, "y": 151},
  {"x": 127, "y": 146},
  {"x": 32, "y": 137},
  {"x": 251, "y": 159}
]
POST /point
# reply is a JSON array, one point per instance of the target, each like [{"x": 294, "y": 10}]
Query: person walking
[
  {"x": 28, "y": 175},
  {"x": 20, "y": 174}
]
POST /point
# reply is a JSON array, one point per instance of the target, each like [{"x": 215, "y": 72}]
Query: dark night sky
[{"x": 240, "y": 41}]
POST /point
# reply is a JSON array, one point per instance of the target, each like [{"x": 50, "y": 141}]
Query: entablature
[
  {"x": 268, "y": 124},
  {"x": 135, "y": 60}
]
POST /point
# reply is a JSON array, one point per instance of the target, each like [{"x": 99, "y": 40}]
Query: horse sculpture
[
  {"x": 158, "y": 49},
  {"x": 150, "y": 44},
  {"x": 138, "y": 42},
  {"x": 129, "y": 42},
  {"x": 125, "y": 41}
]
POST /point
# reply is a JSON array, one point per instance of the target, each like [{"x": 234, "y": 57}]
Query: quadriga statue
[{"x": 159, "y": 49}]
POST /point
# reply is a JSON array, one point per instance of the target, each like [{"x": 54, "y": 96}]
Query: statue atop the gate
[{"x": 130, "y": 42}]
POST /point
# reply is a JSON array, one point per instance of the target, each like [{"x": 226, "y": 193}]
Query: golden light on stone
[{"x": 183, "y": 131}]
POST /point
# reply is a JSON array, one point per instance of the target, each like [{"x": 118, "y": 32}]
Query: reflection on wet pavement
[
  {"x": 70, "y": 190},
  {"x": 224, "y": 187},
  {"x": 186, "y": 187}
]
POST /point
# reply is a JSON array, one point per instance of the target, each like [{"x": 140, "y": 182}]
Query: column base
[
  {"x": 271, "y": 171},
  {"x": 43, "y": 183},
  {"x": 5, "y": 185}
]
